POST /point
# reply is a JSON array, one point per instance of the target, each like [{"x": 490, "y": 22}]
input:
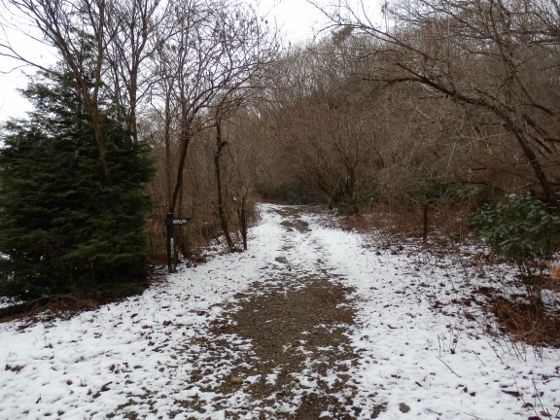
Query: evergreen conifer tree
[{"x": 63, "y": 229}]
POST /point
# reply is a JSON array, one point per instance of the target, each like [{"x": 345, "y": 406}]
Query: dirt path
[{"x": 296, "y": 352}]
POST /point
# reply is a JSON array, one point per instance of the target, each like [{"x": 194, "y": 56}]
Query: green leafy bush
[{"x": 523, "y": 229}]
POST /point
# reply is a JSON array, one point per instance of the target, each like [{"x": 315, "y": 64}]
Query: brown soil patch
[
  {"x": 298, "y": 330},
  {"x": 299, "y": 351},
  {"x": 297, "y": 224}
]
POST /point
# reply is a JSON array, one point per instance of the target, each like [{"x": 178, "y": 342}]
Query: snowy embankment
[
  {"x": 422, "y": 353},
  {"x": 424, "y": 350}
]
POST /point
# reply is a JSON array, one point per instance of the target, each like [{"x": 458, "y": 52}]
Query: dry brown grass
[
  {"x": 530, "y": 323},
  {"x": 47, "y": 309},
  {"x": 448, "y": 222}
]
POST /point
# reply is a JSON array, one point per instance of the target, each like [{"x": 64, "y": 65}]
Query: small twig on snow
[
  {"x": 538, "y": 397},
  {"x": 448, "y": 367},
  {"x": 472, "y": 415},
  {"x": 432, "y": 411},
  {"x": 492, "y": 347},
  {"x": 523, "y": 399},
  {"x": 479, "y": 359}
]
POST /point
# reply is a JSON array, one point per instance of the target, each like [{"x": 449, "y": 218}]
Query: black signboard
[
  {"x": 178, "y": 221},
  {"x": 170, "y": 222}
]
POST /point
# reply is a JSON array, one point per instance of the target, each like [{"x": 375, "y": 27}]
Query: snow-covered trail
[
  {"x": 421, "y": 347},
  {"x": 423, "y": 354}
]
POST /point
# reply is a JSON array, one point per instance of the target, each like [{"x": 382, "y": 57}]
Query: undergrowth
[{"x": 525, "y": 322}]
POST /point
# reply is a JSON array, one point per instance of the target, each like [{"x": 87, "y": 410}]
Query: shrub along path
[{"x": 312, "y": 322}]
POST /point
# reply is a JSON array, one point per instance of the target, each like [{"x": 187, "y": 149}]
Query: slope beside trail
[{"x": 312, "y": 322}]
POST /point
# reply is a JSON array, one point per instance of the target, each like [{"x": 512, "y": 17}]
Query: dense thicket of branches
[
  {"x": 497, "y": 60},
  {"x": 434, "y": 99}
]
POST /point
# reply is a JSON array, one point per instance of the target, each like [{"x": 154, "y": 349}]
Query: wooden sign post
[{"x": 170, "y": 223}]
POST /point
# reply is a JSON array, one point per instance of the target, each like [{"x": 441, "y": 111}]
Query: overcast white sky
[{"x": 297, "y": 18}]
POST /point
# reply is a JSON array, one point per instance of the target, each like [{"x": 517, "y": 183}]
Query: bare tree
[
  {"x": 213, "y": 49},
  {"x": 95, "y": 41},
  {"x": 76, "y": 31},
  {"x": 493, "y": 55},
  {"x": 130, "y": 43}
]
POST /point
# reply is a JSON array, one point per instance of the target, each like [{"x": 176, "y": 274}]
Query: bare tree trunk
[
  {"x": 98, "y": 129},
  {"x": 182, "y": 242},
  {"x": 167, "y": 139},
  {"x": 186, "y": 137},
  {"x": 221, "y": 210}
]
